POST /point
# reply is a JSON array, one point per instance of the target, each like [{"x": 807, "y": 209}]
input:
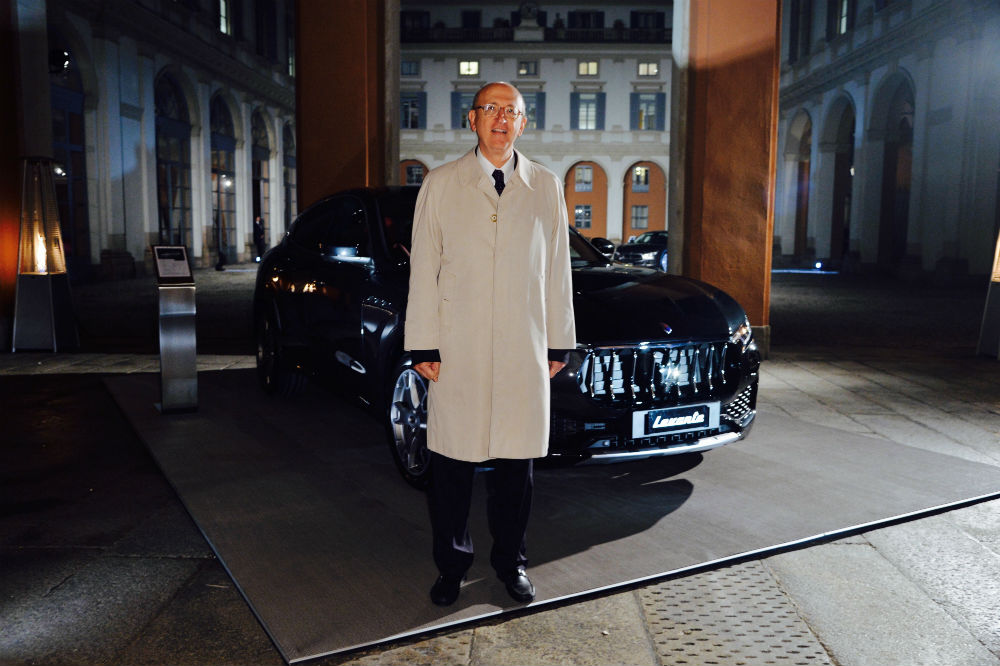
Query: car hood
[{"x": 616, "y": 304}]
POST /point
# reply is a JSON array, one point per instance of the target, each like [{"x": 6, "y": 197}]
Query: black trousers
[{"x": 508, "y": 485}]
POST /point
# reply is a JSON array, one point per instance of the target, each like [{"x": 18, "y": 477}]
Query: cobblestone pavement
[{"x": 99, "y": 563}]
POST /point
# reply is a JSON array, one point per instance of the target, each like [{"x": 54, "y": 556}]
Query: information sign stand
[
  {"x": 178, "y": 343},
  {"x": 989, "y": 333}
]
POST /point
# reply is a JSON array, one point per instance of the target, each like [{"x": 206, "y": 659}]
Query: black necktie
[{"x": 498, "y": 180}]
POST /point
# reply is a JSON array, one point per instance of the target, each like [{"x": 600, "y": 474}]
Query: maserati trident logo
[{"x": 666, "y": 328}]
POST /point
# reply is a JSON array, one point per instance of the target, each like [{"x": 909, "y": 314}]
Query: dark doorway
[
  {"x": 802, "y": 193},
  {"x": 843, "y": 182},
  {"x": 896, "y": 174}
]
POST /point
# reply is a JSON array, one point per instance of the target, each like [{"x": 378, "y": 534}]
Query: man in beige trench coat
[{"x": 489, "y": 322}]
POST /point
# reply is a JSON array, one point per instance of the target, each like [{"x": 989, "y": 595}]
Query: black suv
[{"x": 664, "y": 364}]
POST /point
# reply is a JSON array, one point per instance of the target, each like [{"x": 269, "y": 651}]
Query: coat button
[{"x": 493, "y": 218}]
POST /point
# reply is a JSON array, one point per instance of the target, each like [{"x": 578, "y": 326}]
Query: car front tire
[
  {"x": 273, "y": 371},
  {"x": 406, "y": 424}
]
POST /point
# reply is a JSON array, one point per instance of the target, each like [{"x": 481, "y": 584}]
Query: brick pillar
[
  {"x": 10, "y": 172},
  {"x": 343, "y": 95},
  {"x": 725, "y": 147}
]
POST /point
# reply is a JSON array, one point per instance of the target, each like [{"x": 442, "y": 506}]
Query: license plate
[{"x": 675, "y": 419}]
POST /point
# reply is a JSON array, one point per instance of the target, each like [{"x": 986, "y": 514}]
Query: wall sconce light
[{"x": 43, "y": 311}]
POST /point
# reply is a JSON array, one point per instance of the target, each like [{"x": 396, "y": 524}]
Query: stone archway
[
  {"x": 412, "y": 172},
  {"x": 839, "y": 135},
  {"x": 586, "y": 191},
  {"x": 645, "y": 199},
  {"x": 800, "y": 147}
]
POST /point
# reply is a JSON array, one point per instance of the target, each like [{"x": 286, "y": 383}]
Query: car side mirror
[{"x": 604, "y": 246}]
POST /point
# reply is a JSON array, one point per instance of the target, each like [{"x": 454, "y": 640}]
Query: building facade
[
  {"x": 173, "y": 123},
  {"x": 889, "y": 136},
  {"x": 596, "y": 83}
]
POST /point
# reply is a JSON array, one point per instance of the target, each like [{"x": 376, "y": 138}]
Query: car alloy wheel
[
  {"x": 663, "y": 261},
  {"x": 408, "y": 426},
  {"x": 272, "y": 373}
]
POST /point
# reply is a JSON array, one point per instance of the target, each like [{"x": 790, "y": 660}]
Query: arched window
[
  {"x": 261, "y": 166},
  {"x": 173, "y": 163},
  {"x": 412, "y": 172},
  {"x": 69, "y": 152},
  {"x": 289, "y": 175},
  {"x": 896, "y": 172},
  {"x": 586, "y": 192},
  {"x": 645, "y": 197},
  {"x": 223, "y": 241}
]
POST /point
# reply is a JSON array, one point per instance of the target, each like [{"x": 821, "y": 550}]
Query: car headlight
[
  {"x": 743, "y": 335},
  {"x": 648, "y": 256}
]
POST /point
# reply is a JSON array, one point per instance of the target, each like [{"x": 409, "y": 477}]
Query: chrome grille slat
[{"x": 647, "y": 374}]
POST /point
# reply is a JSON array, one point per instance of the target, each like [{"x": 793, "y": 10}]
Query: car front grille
[{"x": 655, "y": 374}]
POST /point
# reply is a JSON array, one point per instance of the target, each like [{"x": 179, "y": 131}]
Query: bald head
[{"x": 494, "y": 84}]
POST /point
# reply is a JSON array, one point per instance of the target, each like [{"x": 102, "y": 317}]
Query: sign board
[
  {"x": 172, "y": 266},
  {"x": 989, "y": 333}
]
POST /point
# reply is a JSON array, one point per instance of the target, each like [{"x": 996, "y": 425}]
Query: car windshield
[
  {"x": 582, "y": 253},
  {"x": 396, "y": 210},
  {"x": 652, "y": 237}
]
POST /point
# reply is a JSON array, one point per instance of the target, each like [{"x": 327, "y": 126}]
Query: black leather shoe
[
  {"x": 444, "y": 592},
  {"x": 518, "y": 585}
]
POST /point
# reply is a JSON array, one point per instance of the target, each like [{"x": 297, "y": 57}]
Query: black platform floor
[{"x": 302, "y": 504}]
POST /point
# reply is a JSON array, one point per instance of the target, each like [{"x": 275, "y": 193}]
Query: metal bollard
[{"x": 178, "y": 341}]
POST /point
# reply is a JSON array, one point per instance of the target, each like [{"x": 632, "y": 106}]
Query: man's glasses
[{"x": 491, "y": 111}]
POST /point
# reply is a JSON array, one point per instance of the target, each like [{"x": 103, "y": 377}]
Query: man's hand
[
  {"x": 428, "y": 369},
  {"x": 555, "y": 367}
]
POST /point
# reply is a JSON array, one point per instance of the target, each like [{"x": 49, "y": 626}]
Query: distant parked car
[
  {"x": 663, "y": 364},
  {"x": 649, "y": 249}
]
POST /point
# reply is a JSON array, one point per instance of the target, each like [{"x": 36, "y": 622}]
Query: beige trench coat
[{"x": 490, "y": 288}]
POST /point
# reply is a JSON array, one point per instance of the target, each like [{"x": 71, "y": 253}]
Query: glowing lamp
[{"x": 43, "y": 313}]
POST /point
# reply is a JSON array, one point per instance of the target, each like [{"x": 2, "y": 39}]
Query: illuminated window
[
  {"x": 468, "y": 68},
  {"x": 586, "y": 68},
  {"x": 649, "y": 69},
  {"x": 640, "y": 179},
  {"x": 225, "y": 17},
  {"x": 584, "y": 178},
  {"x": 527, "y": 68},
  {"x": 581, "y": 216},
  {"x": 843, "y": 11}
]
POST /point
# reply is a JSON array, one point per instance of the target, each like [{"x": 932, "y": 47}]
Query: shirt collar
[{"x": 507, "y": 168}]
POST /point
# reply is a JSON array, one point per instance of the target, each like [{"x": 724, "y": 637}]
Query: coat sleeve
[
  {"x": 559, "y": 324},
  {"x": 421, "y": 330}
]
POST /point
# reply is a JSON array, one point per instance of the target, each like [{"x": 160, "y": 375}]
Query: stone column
[
  {"x": 342, "y": 109},
  {"x": 725, "y": 146},
  {"x": 821, "y": 200},
  {"x": 10, "y": 170}
]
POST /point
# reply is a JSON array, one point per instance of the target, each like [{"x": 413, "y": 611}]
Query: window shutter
[
  {"x": 661, "y": 111},
  {"x": 422, "y": 102},
  {"x": 574, "y": 111},
  {"x": 540, "y": 110},
  {"x": 456, "y": 110},
  {"x": 600, "y": 110},
  {"x": 633, "y": 110}
]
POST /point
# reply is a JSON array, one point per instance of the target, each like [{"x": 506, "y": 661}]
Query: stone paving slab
[{"x": 865, "y": 611}]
